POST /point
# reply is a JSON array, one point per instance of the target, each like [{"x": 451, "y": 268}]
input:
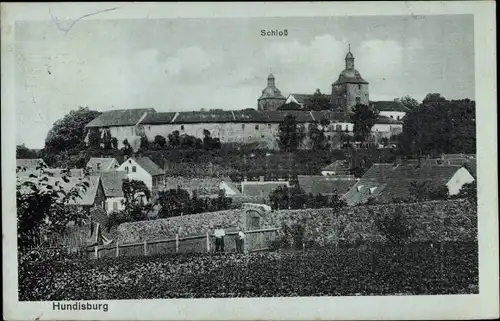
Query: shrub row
[{"x": 438, "y": 221}]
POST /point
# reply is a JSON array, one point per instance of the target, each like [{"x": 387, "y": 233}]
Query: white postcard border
[{"x": 484, "y": 305}]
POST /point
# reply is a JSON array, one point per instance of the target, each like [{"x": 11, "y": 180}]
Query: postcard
[{"x": 249, "y": 161}]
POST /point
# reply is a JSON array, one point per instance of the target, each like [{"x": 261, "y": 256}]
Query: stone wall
[{"x": 433, "y": 221}]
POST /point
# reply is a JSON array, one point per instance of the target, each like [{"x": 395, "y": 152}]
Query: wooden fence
[{"x": 255, "y": 240}]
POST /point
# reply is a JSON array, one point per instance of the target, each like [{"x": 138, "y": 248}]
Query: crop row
[{"x": 415, "y": 269}]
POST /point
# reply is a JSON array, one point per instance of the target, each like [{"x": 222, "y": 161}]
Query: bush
[{"x": 395, "y": 228}]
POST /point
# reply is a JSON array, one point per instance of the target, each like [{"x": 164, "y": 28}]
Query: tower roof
[
  {"x": 271, "y": 76},
  {"x": 350, "y": 76}
]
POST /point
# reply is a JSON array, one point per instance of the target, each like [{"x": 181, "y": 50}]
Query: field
[{"x": 364, "y": 270}]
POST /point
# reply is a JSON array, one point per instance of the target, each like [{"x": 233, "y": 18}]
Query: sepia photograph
[{"x": 245, "y": 157}]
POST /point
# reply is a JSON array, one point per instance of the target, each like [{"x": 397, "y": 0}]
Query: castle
[
  {"x": 257, "y": 126},
  {"x": 348, "y": 90}
]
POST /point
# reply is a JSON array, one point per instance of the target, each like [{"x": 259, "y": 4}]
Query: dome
[
  {"x": 271, "y": 92},
  {"x": 350, "y": 76}
]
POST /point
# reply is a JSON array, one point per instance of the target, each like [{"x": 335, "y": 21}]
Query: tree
[
  {"x": 409, "y": 102},
  {"x": 318, "y": 101},
  {"x": 106, "y": 140},
  {"x": 363, "y": 119},
  {"x": 69, "y": 132},
  {"x": 469, "y": 192},
  {"x": 290, "y": 134},
  {"x": 433, "y": 98},
  {"x": 127, "y": 149},
  {"x": 426, "y": 190},
  {"x": 114, "y": 143},
  {"x": 438, "y": 127},
  {"x": 160, "y": 141},
  {"x": 43, "y": 208},
  {"x": 174, "y": 139},
  {"x": 144, "y": 142},
  {"x": 395, "y": 228},
  {"x": 175, "y": 202},
  {"x": 24, "y": 152},
  {"x": 316, "y": 135}
]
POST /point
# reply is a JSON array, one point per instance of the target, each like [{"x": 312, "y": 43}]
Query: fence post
[
  {"x": 208, "y": 243},
  {"x": 117, "y": 249},
  {"x": 96, "y": 252},
  {"x": 145, "y": 248},
  {"x": 176, "y": 242}
]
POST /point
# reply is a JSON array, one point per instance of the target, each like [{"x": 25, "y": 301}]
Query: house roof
[
  {"x": 338, "y": 165},
  {"x": 390, "y": 105},
  {"x": 112, "y": 183},
  {"x": 302, "y": 98},
  {"x": 52, "y": 172},
  {"x": 206, "y": 186},
  {"x": 105, "y": 163},
  {"x": 324, "y": 185},
  {"x": 120, "y": 117},
  {"x": 260, "y": 189},
  {"x": 215, "y": 116},
  {"x": 29, "y": 163},
  {"x": 362, "y": 191},
  {"x": 149, "y": 166},
  {"x": 87, "y": 197},
  {"x": 387, "y": 120},
  {"x": 392, "y": 181}
]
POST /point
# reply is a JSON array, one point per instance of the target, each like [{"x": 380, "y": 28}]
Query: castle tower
[
  {"x": 271, "y": 97},
  {"x": 350, "y": 88}
]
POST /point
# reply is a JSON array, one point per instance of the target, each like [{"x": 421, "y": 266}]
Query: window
[
  {"x": 182, "y": 127},
  {"x": 116, "y": 166},
  {"x": 115, "y": 206},
  {"x": 126, "y": 169},
  {"x": 269, "y": 126},
  {"x": 134, "y": 169},
  {"x": 338, "y": 127},
  {"x": 256, "y": 127},
  {"x": 358, "y": 100},
  {"x": 98, "y": 165},
  {"x": 359, "y": 86},
  {"x": 398, "y": 118},
  {"x": 392, "y": 116},
  {"x": 242, "y": 126}
]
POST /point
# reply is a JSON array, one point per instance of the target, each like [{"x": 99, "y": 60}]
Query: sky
[{"x": 189, "y": 64}]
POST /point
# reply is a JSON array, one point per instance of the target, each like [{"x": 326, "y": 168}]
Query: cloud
[{"x": 190, "y": 60}]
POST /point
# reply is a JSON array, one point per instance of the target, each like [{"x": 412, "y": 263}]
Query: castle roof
[
  {"x": 120, "y": 117},
  {"x": 350, "y": 76},
  {"x": 246, "y": 116},
  {"x": 271, "y": 92},
  {"x": 324, "y": 185}
]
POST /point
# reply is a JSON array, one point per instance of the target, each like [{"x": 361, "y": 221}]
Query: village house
[
  {"x": 203, "y": 187},
  {"x": 93, "y": 196},
  {"x": 387, "y": 182},
  {"x": 112, "y": 183},
  {"x": 339, "y": 168},
  {"x": 261, "y": 189},
  {"x": 145, "y": 170},
  {"x": 97, "y": 165}
]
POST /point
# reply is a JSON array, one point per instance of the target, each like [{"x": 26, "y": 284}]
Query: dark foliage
[
  {"x": 363, "y": 118},
  {"x": 290, "y": 134},
  {"x": 295, "y": 198},
  {"x": 415, "y": 269}
]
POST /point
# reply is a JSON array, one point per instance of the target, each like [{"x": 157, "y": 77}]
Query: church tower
[
  {"x": 350, "y": 88},
  {"x": 271, "y": 97}
]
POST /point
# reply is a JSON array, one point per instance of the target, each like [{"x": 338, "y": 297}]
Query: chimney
[{"x": 261, "y": 178}]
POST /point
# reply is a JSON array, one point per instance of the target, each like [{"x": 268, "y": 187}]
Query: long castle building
[{"x": 256, "y": 126}]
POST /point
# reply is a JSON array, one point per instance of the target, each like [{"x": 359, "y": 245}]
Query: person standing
[
  {"x": 240, "y": 240},
  {"x": 219, "y": 234}
]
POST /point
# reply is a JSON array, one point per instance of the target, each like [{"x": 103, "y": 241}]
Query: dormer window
[
  {"x": 372, "y": 189},
  {"x": 358, "y": 188}
]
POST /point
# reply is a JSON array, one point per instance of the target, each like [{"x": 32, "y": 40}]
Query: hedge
[{"x": 436, "y": 221}]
